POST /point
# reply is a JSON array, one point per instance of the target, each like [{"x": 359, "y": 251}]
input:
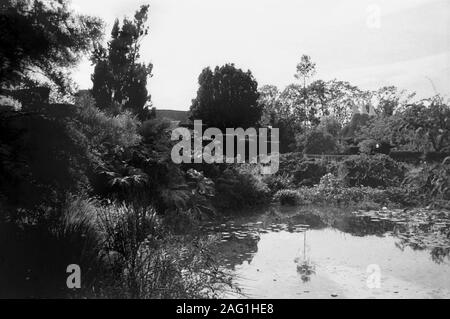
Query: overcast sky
[{"x": 408, "y": 46}]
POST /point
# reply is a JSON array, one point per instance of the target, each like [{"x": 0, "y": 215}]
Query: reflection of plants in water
[
  {"x": 305, "y": 268},
  {"x": 418, "y": 229}
]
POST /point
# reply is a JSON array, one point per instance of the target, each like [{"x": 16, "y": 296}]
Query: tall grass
[
  {"x": 124, "y": 251},
  {"x": 148, "y": 261}
]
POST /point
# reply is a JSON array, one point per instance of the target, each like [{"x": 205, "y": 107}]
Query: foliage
[
  {"x": 123, "y": 251},
  {"x": 147, "y": 262},
  {"x": 430, "y": 181},
  {"x": 390, "y": 99},
  {"x": 392, "y": 130},
  {"x": 330, "y": 125},
  {"x": 42, "y": 38},
  {"x": 430, "y": 118},
  {"x": 241, "y": 187},
  {"x": 8, "y": 103},
  {"x": 41, "y": 168},
  {"x": 37, "y": 245},
  {"x": 227, "y": 98},
  {"x": 357, "y": 122},
  {"x": 367, "y": 147},
  {"x": 102, "y": 128},
  {"x": 321, "y": 195},
  {"x": 309, "y": 173},
  {"x": 318, "y": 142},
  {"x": 288, "y": 197},
  {"x": 155, "y": 131},
  {"x": 118, "y": 76},
  {"x": 373, "y": 171},
  {"x": 276, "y": 114},
  {"x": 305, "y": 69},
  {"x": 278, "y": 182}
]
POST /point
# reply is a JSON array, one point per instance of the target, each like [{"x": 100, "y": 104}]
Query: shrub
[
  {"x": 367, "y": 146},
  {"x": 430, "y": 182},
  {"x": 289, "y": 162},
  {"x": 42, "y": 157},
  {"x": 340, "y": 196},
  {"x": 309, "y": 173},
  {"x": 37, "y": 247},
  {"x": 155, "y": 131},
  {"x": 288, "y": 197},
  {"x": 240, "y": 187},
  {"x": 100, "y": 127},
  {"x": 373, "y": 171},
  {"x": 278, "y": 182},
  {"x": 146, "y": 261},
  {"x": 329, "y": 182},
  {"x": 319, "y": 142}
]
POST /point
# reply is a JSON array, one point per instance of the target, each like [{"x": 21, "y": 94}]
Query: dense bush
[
  {"x": 309, "y": 172},
  {"x": 318, "y": 142},
  {"x": 359, "y": 196},
  {"x": 103, "y": 128},
  {"x": 372, "y": 171},
  {"x": 289, "y": 162},
  {"x": 37, "y": 246},
  {"x": 367, "y": 146},
  {"x": 429, "y": 182},
  {"x": 124, "y": 251},
  {"x": 278, "y": 182},
  {"x": 288, "y": 197},
  {"x": 240, "y": 187},
  {"x": 146, "y": 261},
  {"x": 43, "y": 156},
  {"x": 155, "y": 131}
]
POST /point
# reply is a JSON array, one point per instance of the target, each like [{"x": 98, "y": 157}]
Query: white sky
[{"x": 410, "y": 47}]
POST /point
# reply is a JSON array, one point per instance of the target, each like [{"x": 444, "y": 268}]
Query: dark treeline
[{"x": 86, "y": 177}]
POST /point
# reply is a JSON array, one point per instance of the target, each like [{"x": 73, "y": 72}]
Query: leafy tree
[
  {"x": 269, "y": 100},
  {"x": 356, "y": 123},
  {"x": 367, "y": 146},
  {"x": 305, "y": 69},
  {"x": 278, "y": 114},
  {"x": 319, "y": 142},
  {"x": 330, "y": 125},
  {"x": 390, "y": 99},
  {"x": 341, "y": 96},
  {"x": 392, "y": 131},
  {"x": 293, "y": 101},
  {"x": 430, "y": 118},
  {"x": 118, "y": 76},
  {"x": 42, "y": 40},
  {"x": 227, "y": 97},
  {"x": 43, "y": 156}
]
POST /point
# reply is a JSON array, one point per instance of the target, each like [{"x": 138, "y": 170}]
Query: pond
[{"x": 311, "y": 252}]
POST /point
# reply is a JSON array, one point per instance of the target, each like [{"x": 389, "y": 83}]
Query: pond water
[{"x": 312, "y": 252}]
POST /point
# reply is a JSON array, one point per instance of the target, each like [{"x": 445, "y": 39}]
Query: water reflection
[
  {"x": 416, "y": 229},
  {"x": 305, "y": 267},
  {"x": 297, "y": 252}
]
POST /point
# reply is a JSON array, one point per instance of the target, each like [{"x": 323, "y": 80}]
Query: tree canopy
[
  {"x": 41, "y": 40},
  {"x": 118, "y": 76},
  {"x": 227, "y": 98}
]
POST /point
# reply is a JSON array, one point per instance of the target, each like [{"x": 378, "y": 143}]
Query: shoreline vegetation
[{"x": 87, "y": 178}]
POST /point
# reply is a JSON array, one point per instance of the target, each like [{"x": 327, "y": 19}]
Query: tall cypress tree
[{"x": 118, "y": 76}]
